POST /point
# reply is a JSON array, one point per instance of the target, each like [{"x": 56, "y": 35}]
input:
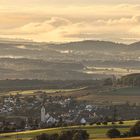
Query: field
[
  {"x": 111, "y": 70},
  {"x": 117, "y": 95},
  {"x": 96, "y": 132},
  {"x": 81, "y": 94},
  {"x": 128, "y": 91},
  {"x": 47, "y": 91}
]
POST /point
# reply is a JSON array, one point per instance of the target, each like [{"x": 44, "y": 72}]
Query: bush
[
  {"x": 98, "y": 123},
  {"x": 84, "y": 134},
  {"x": 74, "y": 135},
  {"x": 113, "y": 133},
  {"x": 92, "y": 123},
  {"x": 77, "y": 136},
  {"x": 135, "y": 130},
  {"x": 105, "y": 123},
  {"x": 65, "y": 135},
  {"x": 54, "y": 137},
  {"x": 42, "y": 137},
  {"x": 113, "y": 123},
  {"x": 121, "y": 122},
  {"x": 125, "y": 135}
]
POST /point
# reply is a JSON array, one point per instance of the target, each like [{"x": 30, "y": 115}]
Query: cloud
[
  {"x": 66, "y": 23},
  {"x": 63, "y": 29},
  {"x": 48, "y": 30},
  {"x": 68, "y": 2}
]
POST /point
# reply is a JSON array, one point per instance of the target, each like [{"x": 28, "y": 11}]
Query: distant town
[{"x": 19, "y": 112}]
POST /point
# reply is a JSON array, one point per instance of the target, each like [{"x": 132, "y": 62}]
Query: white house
[
  {"x": 51, "y": 120},
  {"x": 83, "y": 121}
]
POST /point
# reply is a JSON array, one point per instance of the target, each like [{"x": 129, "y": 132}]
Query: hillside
[
  {"x": 135, "y": 46},
  {"x": 90, "y": 45},
  {"x": 68, "y": 61},
  {"x": 26, "y": 84},
  {"x": 96, "y": 132}
]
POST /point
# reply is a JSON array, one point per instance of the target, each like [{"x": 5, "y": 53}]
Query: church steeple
[{"x": 43, "y": 112}]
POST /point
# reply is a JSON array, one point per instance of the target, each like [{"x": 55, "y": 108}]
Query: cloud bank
[{"x": 115, "y": 22}]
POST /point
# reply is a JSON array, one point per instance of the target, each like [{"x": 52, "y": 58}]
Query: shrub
[
  {"x": 77, "y": 136},
  {"x": 54, "y": 137},
  {"x": 113, "y": 123},
  {"x": 135, "y": 130},
  {"x": 98, "y": 123},
  {"x": 105, "y": 123},
  {"x": 92, "y": 123},
  {"x": 65, "y": 135},
  {"x": 74, "y": 135},
  {"x": 42, "y": 137},
  {"x": 84, "y": 134},
  {"x": 113, "y": 133},
  {"x": 125, "y": 134},
  {"x": 121, "y": 122}
]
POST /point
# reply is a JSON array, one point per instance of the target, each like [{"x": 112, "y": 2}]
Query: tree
[
  {"x": 77, "y": 136},
  {"x": 84, "y": 134},
  {"x": 65, "y": 135},
  {"x": 135, "y": 130},
  {"x": 22, "y": 124},
  {"x": 108, "y": 82},
  {"x": 54, "y": 136},
  {"x": 121, "y": 122},
  {"x": 113, "y": 133},
  {"x": 42, "y": 137},
  {"x": 98, "y": 123},
  {"x": 105, "y": 123}
]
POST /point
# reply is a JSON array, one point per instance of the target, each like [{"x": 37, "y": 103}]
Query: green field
[
  {"x": 119, "y": 95},
  {"x": 47, "y": 91},
  {"x": 128, "y": 91},
  {"x": 96, "y": 132}
]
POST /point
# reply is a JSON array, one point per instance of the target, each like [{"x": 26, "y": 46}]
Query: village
[{"x": 19, "y": 112}]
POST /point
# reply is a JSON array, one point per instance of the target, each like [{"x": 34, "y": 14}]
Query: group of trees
[
  {"x": 113, "y": 133},
  {"x": 105, "y": 123},
  {"x": 83, "y": 135},
  {"x": 133, "y": 132},
  {"x": 35, "y": 84},
  {"x": 132, "y": 80},
  {"x": 20, "y": 125},
  {"x": 65, "y": 135}
]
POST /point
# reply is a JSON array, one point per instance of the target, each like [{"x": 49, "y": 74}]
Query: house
[{"x": 83, "y": 121}]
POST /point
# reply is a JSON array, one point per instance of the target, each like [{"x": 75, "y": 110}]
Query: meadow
[{"x": 95, "y": 132}]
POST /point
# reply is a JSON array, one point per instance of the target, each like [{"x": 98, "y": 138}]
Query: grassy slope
[
  {"x": 90, "y": 95},
  {"x": 120, "y": 95},
  {"x": 129, "y": 91},
  {"x": 96, "y": 132},
  {"x": 48, "y": 91}
]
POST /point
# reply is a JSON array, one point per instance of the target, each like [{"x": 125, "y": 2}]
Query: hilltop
[{"x": 80, "y": 60}]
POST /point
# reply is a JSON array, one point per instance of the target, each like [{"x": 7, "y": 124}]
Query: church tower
[{"x": 43, "y": 112}]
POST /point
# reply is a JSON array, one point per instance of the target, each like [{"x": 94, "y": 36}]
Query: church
[{"x": 46, "y": 117}]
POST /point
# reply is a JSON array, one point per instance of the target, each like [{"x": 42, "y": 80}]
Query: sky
[{"x": 70, "y": 20}]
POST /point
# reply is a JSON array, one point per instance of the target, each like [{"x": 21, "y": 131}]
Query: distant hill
[
  {"x": 89, "y": 45},
  {"x": 53, "y": 61},
  {"x": 131, "y": 80},
  {"x": 88, "y": 48},
  {"x": 135, "y": 46},
  {"x": 26, "y": 84}
]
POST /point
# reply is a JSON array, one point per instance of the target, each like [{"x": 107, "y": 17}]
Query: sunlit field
[
  {"x": 47, "y": 91},
  {"x": 96, "y": 132}
]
